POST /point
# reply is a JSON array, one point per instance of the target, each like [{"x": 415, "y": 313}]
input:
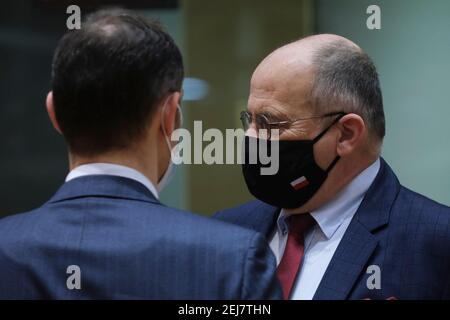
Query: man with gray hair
[{"x": 338, "y": 221}]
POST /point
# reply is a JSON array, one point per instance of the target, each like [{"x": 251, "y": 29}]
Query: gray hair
[{"x": 346, "y": 80}]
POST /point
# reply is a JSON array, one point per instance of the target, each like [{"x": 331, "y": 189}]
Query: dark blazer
[
  {"x": 129, "y": 246},
  {"x": 396, "y": 229}
]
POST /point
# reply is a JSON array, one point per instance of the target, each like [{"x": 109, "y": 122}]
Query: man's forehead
[
  {"x": 282, "y": 88},
  {"x": 285, "y": 71},
  {"x": 275, "y": 78},
  {"x": 282, "y": 65}
]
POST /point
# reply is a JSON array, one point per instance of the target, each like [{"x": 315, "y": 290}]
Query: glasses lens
[
  {"x": 261, "y": 122},
  {"x": 262, "y": 126},
  {"x": 246, "y": 120}
]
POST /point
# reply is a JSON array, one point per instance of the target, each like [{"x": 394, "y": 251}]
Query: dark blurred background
[{"x": 222, "y": 42}]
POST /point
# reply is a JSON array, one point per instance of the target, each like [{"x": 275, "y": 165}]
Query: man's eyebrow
[{"x": 272, "y": 113}]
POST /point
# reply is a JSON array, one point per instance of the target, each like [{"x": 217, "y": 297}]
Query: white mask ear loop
[
  {"x": 170, "y": 171},
  {"x": 164, "y": 127}
]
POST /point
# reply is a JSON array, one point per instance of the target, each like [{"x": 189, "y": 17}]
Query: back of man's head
[
  {"x": 109, "y": 76},
  {"x": 346, "y": 78}
]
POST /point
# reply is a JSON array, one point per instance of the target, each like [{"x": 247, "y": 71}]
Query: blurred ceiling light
[{"x": 194, "y": 89}]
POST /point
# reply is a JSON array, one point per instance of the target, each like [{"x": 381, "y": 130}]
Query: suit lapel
[
  {"x": 348, "y": 262},
  {"x": 359, "y": 241}
]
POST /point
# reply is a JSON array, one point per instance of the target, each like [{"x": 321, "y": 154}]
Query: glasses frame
[{"x": 270, "y": 125}]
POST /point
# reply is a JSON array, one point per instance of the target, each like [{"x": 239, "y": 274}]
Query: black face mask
[{"x": 298, "y": 177}]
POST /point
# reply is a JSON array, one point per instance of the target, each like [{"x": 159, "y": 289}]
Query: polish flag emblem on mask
[{"x": 299, "y": 183}]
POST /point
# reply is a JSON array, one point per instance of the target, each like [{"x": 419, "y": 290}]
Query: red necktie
[{"x": 289, "y": 265}]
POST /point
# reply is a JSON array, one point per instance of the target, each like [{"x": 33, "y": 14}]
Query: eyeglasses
[{"x": 261, "y": 122}]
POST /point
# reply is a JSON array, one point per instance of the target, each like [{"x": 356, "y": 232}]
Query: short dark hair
[
  {"x": 346, "y": 79},
  {"x": 107, "y": 78}
]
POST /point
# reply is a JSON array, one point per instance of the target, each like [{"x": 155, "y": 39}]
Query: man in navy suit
[
  {"x": 335, "y": 215},
  {"x": 104, "y": 235}
]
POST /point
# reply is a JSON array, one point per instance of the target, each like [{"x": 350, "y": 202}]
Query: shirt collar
[
  {"x": 330, "y": 216},
  {"x": 113, "y": 170}
]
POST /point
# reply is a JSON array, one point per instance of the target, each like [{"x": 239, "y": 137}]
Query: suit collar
[
  {"x": 374, "y": 211},
  {"x": 111, "y": 169},
  {"x": 104, "y": 186}
]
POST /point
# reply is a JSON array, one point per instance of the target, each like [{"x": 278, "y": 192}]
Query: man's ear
[
  {"x": 169, "y": 113},
  {"x": 51, "y": 112},
  {"x": 352, "y": 131}
]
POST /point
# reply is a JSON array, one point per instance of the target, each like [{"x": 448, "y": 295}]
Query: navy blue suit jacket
[
  {"x": 127, "y": 246},
  {"x": 400, "y": 231}
]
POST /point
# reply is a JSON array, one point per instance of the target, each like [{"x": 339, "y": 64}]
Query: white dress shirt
[
  {"x": 321, "y": 242},
  {"x": 113, "y": 170}
]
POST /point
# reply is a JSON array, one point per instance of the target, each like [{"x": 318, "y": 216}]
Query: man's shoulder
[
  {"x": 244, "y": 211},
  {"x": 16, "y": 233},
  {"x": 422, "y": 221},
  {"x": 147, "y": 221},
  {"x": 414, "y": 205},
  {"x": 16, "y": 224},
  {"x": 255, "y": 215},
  {"x": 210, "y": 227}
]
